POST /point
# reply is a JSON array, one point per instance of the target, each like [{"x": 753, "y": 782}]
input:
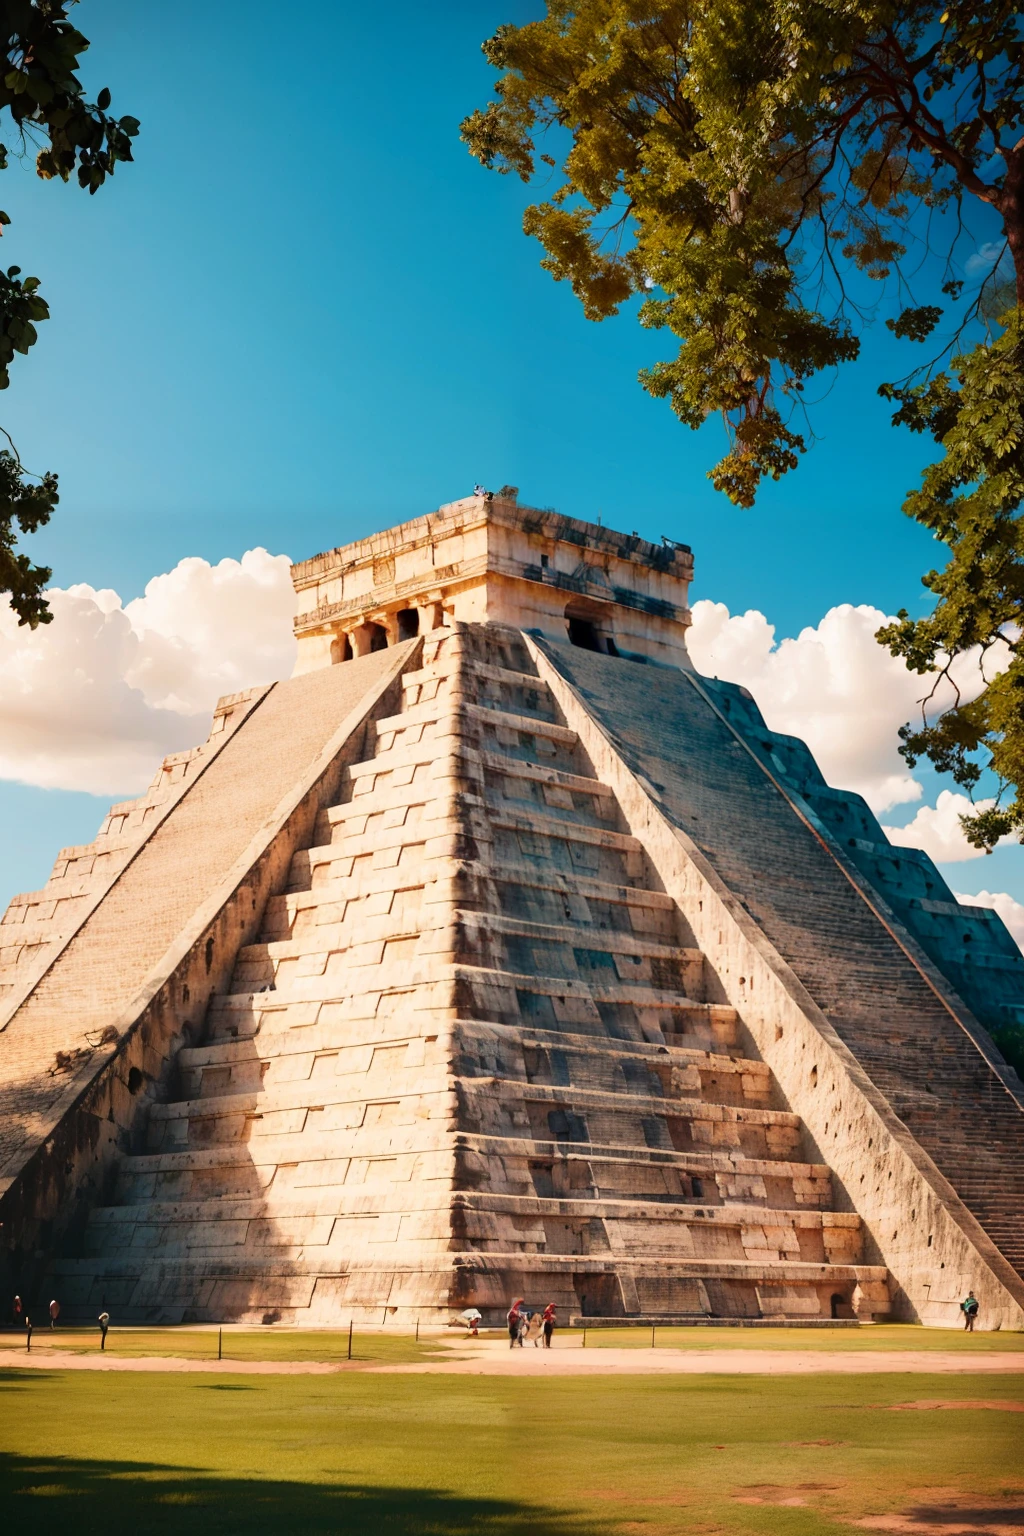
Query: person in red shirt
[
  {"x": 548, "y": 1320},
  {"x": 513, "y": 1319}
]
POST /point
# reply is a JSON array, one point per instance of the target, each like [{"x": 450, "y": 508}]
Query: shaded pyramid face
[{"x": 474, "y": 1053}]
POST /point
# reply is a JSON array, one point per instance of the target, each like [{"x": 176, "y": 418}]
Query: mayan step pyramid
[{"x": 497, "y": 953}]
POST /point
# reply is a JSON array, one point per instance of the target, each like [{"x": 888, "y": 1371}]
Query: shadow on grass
[
  {"x": 927, "y": 1519},
  {"x": 52, "y": 1495}
]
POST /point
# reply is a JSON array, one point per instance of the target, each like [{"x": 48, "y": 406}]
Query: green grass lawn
[
  {"x": 400, "y": 1347},
  {"x": 444, "y": 1456},
  {"x": 238, "y": 1344},
  {"x": 879, "y": 1336}
]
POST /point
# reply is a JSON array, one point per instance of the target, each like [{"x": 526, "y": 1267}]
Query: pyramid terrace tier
[
  {"x": 370, "y": 1287},
  {"x": 299, "y": 1221},
  {"x": 495, "y": 942},
  {"x": 517, "y": 890},
  {"x": 499, "y": 1167},
  {"x": 515, "y": 1164},
  {"x": 477, "y": 1049},
  {"x": 625, "y": 1114}
]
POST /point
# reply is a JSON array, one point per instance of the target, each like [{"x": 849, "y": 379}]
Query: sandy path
[{"x": 498, "y": 1360}]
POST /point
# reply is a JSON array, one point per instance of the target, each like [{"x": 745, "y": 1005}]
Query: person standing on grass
[
  {"x": 104, "y": 1322},
  {"x": 28, "y": 1331},
  {"x": 969, "y": 1308},
  {"x": 549, "y": 1323},
  {"x": 54, "y": 1313},
  {"x": 514, "y": 1318}
]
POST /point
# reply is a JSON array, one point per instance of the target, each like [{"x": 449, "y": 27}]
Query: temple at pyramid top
[{"x": 486, "y": 559}]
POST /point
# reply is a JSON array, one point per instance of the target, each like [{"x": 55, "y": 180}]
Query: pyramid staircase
[{"x": 475, "y": 1052}]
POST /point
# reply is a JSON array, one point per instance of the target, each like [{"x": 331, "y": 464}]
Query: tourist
[
  {"x": 533, "y": 1328},
  {"x": 514, "y": 1318},
  {"x": 549, "y": 1323},
  {"x": 16, "y": 1308},
  {"x": 104, "y": 1322},
  {"x": 54, "y": 1313},
  {"x": 969, "y": 1308}
]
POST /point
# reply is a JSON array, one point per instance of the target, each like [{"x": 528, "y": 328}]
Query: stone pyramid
[{"x": 497, "y": 954}]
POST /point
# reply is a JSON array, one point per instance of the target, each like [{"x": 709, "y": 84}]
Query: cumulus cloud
[
  {"x": 936, "y": 828},
  {"x": 833, "y": 686},
  {"x": 1011, "y": 912},
  {"x": 95, "y": 699}
]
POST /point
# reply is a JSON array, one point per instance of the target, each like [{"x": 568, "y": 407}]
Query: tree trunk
[{"x": 1011, "y": 206}]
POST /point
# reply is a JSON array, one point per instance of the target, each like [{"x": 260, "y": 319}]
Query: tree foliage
[
  {"x": 732, "y": 163},
  {"x": 49, "y": 111}
]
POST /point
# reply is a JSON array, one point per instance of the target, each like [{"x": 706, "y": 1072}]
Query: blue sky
[{"x": 305, "y": 314}]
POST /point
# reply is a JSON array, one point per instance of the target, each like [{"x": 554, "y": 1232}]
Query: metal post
[
  {"x": 584, "y": 1336},
  {"x": 417, "y": 1330},
  {"x": 652, "y": 1335},
  {"x": 220, "y": 1343},
  {"x": 350, "y": 1338}
]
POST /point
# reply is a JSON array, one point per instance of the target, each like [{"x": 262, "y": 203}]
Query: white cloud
[
  {"x": 834, "y": 686},
  {"x": 936, "y": 828},
  {"x": 95, "y": 699},
  {"x": 1011, "y": 912},
  {"x": 985, "y": 257}
]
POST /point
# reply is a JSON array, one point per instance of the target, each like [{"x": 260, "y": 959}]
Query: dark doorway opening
[
  {"x": 599, "y": 1295},
  {"x": 341, "y": 649},
  {"x": 378, "y": 637},
  {"x": 408, "y": 623},
  {"x": 584, "y": 634}
]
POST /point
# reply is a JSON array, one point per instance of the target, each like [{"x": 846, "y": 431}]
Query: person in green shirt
[{"x": 969, "y": 1308}]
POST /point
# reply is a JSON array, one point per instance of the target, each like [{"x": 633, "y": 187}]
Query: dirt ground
[{"x": 494, "y": 1358}]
